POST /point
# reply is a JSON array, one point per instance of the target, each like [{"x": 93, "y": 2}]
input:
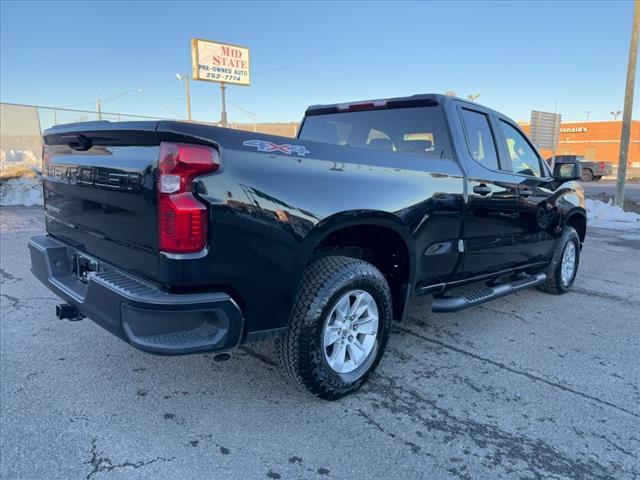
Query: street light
[
  {"x": 588, "y": 112},
  {"x": 184, "y": 78},
  {"x": 473, "y": 96},
  {"x": 101, "y": 101},
  {"x": 615, "y": 114}
]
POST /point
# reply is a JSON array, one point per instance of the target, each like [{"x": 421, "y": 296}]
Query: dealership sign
[{"x": 219, "y": 62}]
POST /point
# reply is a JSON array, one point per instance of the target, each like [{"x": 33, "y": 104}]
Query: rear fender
[{"x": 369, "y": 218}]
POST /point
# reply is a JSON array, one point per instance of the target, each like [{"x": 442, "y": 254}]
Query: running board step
[{"x": 453, "y": 304}]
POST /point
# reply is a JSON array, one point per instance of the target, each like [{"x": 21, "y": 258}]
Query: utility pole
[
  {"x": 588, "y": 112},
  {"x": 223, "y": 117},
  {"x": 188, "y": 91},
  {"x": 628, "y": 106},
  {"x": 99, "y": 108},
  {"x": 185, "y": 79}
]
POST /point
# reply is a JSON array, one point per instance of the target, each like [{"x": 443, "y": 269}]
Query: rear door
[{"x": 491, "y": 216}]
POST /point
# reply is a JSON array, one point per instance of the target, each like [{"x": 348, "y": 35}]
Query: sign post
[
  {"x": 223, "y": 116},
  {"x": 545, "y": 131},
  {"x": 222, "y": 63}
]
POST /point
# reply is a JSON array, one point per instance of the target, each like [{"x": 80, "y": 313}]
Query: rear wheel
[
  {"x": 339, "y": 326},
  {"x": 587, "y": 175},
  {"x": 563, "y": 268}
]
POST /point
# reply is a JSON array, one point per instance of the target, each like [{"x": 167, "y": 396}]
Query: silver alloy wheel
[
  {"x": 350, "y": 331},
  {"x": 568, "y": 266}
]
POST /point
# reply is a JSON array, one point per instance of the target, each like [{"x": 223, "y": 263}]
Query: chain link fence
[{"x": 21, "y": 128}]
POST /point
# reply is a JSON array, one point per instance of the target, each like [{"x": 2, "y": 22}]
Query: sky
[{"x": 518, "y": 56}]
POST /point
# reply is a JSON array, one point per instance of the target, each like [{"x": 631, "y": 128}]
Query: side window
[
  {"x": 524, "y": 159},
  {"x": 479, "y": 138}
]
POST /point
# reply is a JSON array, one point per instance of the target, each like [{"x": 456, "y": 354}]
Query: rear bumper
[{"x": 138, "y": 312}]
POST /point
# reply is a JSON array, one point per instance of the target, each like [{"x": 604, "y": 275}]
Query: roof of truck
[{"x": 423, "y": 99}]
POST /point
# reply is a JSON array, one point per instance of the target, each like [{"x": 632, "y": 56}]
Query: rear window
[{"x": 413, "y": 130}]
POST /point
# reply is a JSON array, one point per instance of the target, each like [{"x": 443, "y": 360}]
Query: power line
[
  {"x": 121, "y": 94},
  {"x": 66, "y": 109},
  {"x": 310, "y": 59},
  {"x": 116, "y": 96}
]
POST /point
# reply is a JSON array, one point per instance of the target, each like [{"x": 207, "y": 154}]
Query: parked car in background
[{"x": 590, "y": 170}]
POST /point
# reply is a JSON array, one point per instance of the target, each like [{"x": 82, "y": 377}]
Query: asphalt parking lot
[
  {"x": 527, "y": 387},
  {"x": 631, "y": 191}
]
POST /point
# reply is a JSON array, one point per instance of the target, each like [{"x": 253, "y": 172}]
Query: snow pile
[
  {"x": 20, "y": 178},
  {"x": 19, "y": 163},
  {"x": 21, "y": 191},
  {"x": 608, "y": 215}
]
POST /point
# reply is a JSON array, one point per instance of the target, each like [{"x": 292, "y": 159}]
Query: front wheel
[
  {"x": 339, "y": 326},
  {"x": 563, "y": 268}
]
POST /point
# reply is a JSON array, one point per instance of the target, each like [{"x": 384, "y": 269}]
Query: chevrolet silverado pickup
[{"x": 180, "y": 237}]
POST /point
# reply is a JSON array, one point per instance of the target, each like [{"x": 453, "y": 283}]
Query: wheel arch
[
  {"x": 577, "y": 219},
  {"x": 377, "y": 237}
]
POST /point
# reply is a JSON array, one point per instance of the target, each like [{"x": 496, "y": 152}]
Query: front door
[{"x": 536, "y": 215}]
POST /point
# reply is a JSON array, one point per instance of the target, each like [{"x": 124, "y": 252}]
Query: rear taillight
[{"x": 182, "y": 218}]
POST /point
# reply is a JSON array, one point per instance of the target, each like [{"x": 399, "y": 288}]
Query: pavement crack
[
  {"x": 509, "y": 314},
  {"x": 519, "y": 372},
  {"x": 370, "y": 421},
  {"x": 613, "y": 444},
  {"x": 537, "y": 456},
  {"x": 14, "y": 302},
  {"x": 101, "y": 463},
  {"x": 4, "y": 275},
  {"x": 604, "y": 295}
]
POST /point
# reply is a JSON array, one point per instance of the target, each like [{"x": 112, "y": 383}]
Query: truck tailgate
[{"x": 102, "y": 199}]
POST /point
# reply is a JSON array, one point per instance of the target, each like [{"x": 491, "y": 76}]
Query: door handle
[{"x": 482, "y": 189}]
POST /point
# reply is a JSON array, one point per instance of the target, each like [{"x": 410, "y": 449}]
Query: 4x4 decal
[{"x": 265, "y": 146}]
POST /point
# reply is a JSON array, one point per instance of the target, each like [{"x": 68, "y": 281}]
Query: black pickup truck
[{"x": 181, "y": 238}]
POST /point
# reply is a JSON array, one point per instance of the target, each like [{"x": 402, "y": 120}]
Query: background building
[{"x": 595, "y": 140}]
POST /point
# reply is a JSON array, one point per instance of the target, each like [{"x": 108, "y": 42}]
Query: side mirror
[{"x": 567, "y": 171}]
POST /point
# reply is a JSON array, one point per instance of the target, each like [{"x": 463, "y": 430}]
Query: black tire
[
  {"x": 301, "y": 349},
  {"x": 586, "y": 175},
  {"x": 554, "y": 283}
]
